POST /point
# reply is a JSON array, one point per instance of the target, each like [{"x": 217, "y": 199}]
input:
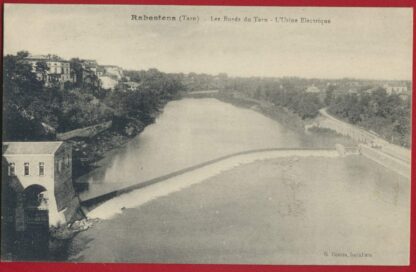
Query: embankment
[
  {"x": 397, "y": 165},
  {"x": 372, "y": 146},
  {"x": 87, "y": 132},
  {"x": 280, "y": 114}
]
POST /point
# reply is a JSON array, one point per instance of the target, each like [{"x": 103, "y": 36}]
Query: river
[{"x": 158, "y": 225}]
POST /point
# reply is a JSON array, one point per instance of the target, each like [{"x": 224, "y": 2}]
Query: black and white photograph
[{"x": 206, "y": 134}]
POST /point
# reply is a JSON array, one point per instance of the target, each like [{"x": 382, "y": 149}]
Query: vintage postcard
[{"x": 206, "y": 134}]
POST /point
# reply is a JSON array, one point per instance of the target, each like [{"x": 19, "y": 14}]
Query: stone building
[
  {"x": 40, "y": 176},
  {"x": 59, "y": 70}
]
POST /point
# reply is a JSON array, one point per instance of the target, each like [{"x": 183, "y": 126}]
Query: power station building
[{"x": 39, "y": 174}]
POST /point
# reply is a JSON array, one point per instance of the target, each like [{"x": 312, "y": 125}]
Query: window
[
  {"x": 59, "y": 166},
  {"x": 26, "y": 169},
  {"x": 12, "y": 171},
  {"x": 67, "y": 160},
  {"x": 41, "y": 169}
]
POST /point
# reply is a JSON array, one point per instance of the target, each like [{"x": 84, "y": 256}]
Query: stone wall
[
  {"x": 86, "y": 132},
  {"x": 66, "y": 199}
]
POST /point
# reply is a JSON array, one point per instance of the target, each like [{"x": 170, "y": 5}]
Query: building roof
[
  {"x": 111, "y": 66},
  {"x": 30, "y": 148},
  {"x": 89, "y": 61},
  {"x": 46, "y": 58}
]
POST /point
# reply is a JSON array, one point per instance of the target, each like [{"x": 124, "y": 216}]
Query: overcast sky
[{"x": 374, "y": 43}]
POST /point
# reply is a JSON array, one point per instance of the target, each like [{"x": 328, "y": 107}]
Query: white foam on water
[{"x": 139, "y": 197}]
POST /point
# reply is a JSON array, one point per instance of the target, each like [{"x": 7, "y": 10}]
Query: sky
[{"x": 370, "y": 43}]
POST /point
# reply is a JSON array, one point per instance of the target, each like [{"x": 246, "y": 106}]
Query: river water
[{"x": 192, "y": 131}]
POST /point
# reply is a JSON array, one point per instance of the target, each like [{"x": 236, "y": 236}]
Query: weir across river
[{"x": 223, "y": 163}]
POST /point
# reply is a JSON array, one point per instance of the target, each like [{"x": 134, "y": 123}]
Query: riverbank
[
  {"x": 92, "y": 153},
  {"x": 89, "y": 155},
  {"x": 326, "y": 138},
  {"x": 279, "y": 114}
]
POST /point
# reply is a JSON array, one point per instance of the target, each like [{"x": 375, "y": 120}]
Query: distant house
[
  {"x": 113, "y": 70},
  {"x": 131, "y": 85},
  {"x": 100, "y": 71},
  {"x": 107, "y": 82},
  {"x": 395, "y": 89},
  {"x": 41, "y": 174},
  {"x": 89, "y": 63},
  {"x": 89, "y": 68},
  {"x": 59, "y": 70},
  {"x": 313, "y": 89},
  {"x": 372, "y": 89}
]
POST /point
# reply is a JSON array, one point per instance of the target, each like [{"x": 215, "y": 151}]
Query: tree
[
  {"x": 329, "y": 95},
  {"x": 76, "y": 71},
  {"x": 42, "y": 70}
]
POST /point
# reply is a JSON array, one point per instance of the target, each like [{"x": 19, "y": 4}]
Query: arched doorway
[
  {"x": 35, "y": 204},
  {"x": 35, "y": 237}
]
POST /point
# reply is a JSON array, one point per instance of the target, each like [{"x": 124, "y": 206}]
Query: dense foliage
[
  {"x": 387, "y": 115},
  {"x": 30, "y": 106},
  {"x": 286, "y": 92},
  {"x": 355, "y": 101}
]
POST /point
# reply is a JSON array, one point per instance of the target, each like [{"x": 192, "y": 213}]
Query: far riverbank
[{"x": 291, "y": 120}]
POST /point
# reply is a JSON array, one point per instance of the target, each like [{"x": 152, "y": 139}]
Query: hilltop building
[
  {"x": 131, "y": 85},
  {"x": 113, "y": 71},
  {"x": 89, "y": 68},
  {"x": 59, "y": 70}
]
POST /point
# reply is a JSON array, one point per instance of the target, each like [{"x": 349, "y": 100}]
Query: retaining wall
[
  {"x": 399, "y": 166},
  {"x": 85, "y": 132}
]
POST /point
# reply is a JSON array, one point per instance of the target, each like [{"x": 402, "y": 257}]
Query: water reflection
[{"x": 192, "y": 131}]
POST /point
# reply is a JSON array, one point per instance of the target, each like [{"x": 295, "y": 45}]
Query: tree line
[
  {"x": 29, "y": 105},
  {"x": 387, "y": 115},
  {"x": 367, "y": 106}
]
